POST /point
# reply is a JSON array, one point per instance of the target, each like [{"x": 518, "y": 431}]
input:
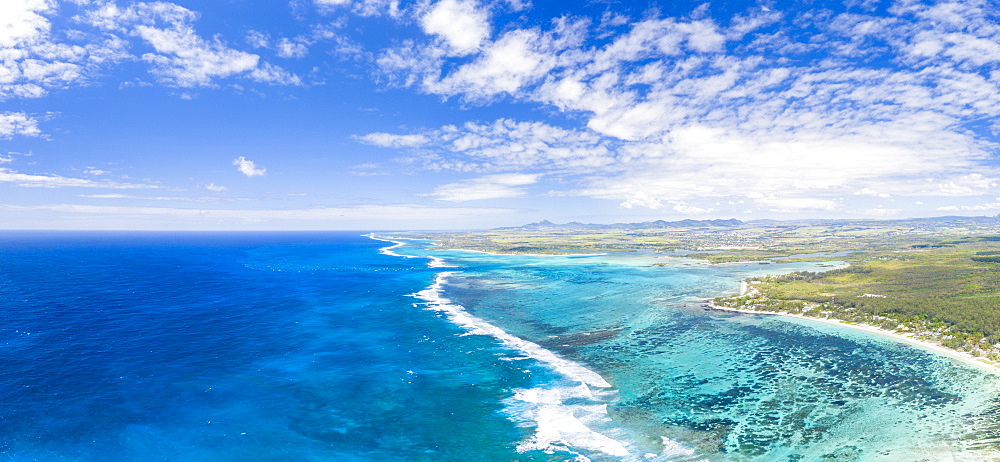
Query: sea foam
[
  {"x": 560, "y": 427},
  {"x": 564, "y": 415},
  {"x": 435, "y": 262}
]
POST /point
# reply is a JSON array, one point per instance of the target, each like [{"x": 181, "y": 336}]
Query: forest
[{"x": 948, "y": 292}]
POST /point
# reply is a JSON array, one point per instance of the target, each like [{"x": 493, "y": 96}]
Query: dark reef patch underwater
[{"x": 317, "y": 346}]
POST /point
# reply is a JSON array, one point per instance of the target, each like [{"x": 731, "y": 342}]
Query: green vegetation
[
  {"x": 940, "y": 293},
  {"x": 938, "y": 279}
]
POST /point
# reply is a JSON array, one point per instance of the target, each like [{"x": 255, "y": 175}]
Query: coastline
[
  {"x": 928, "y": 345},
  {"x": 526, "y": 254},
  {"x": 546, "y": 408},
  {"x": 567, "y": 418}
]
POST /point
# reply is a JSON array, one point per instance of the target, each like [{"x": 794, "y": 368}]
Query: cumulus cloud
[
  {"x": 180, "y": 56},
  {"x": 35, "y": 59},
  {"x": 389, "y": 8},
  {"x": 299, "y": 46},
  {"x": 388, "y": 140},
  {"x": 37, "y": 56},
  {"x": 691, "y": 209},
  {"x": 498, "y": 186},
  {"x": 872, "y": 193},
  {"x": 21, "y": 21},
  {"x": 881, "y": 211},
  {"x": 184, "y": 59},
  {"x": 971, "y": 208},
  {"x": 502, "y": 145},
  {"x": 973, "y": 184},
  {"x": 289, "y": 48},
  {"x": 808, "y": 111},
  {"x": 17, "y": 124},
  {"x": 640, "y": 199},
  {"x": 330, "y": 3},
  {"x": 248, "y": 167},
  {"x": 461, "y": 24},
  {"x": 505, "y": 66}
]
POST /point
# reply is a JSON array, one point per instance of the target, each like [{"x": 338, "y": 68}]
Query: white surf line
[
  {"x": 476, "y": 326},
  {"x": 558, "y": 426},
  {"x": 435, "y": 262}
]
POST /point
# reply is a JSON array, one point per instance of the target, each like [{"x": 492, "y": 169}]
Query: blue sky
[{"x": 461, "y": 114}]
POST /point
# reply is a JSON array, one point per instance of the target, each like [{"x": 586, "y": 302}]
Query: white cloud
[
  {"x": 872, "y": 193},
  {"x": 459, "y": 23},
  {"x": 148, "y": 198},
  {"x": 367, "y": 169},
  {"x": 502, "y": 145},
  {"x": 258, "y": 39},
  {"x": 299, "y": 45},
  {"x": 499, "y": 186},
  {"x": 269, "y": 73},
  {"x": 881, "y": 212},
  {"x": 186, "y": 60},
  {"x": 108, "y": 196},
  {"x": 795, "y": 204},
  {"x": 35, "y": 59},
  {"x": 973, "y": 184},
  {"x": 388, "y": 140},
  {"x": 392, "y": 216},
  {"x": 288, "y": 48},
  {"x": 390, "y": 8},
  {"x": 688, "y": 107},
  {"x": 971, "y": 208},
  {"x": 329, "y": 3},
  {"x": 691, "y": 210},
  {"x": 248, "y": 167},
  {"x": 504, "y": 67},
  {"x": 58, "y": 181},
  {"x": 17, "y": 123},
  {"x": 180, "y": 56},
  {"x": 21, "y": 21},
  {"x": 215, "y": 187},
  {"x": 640, "y": 199}
]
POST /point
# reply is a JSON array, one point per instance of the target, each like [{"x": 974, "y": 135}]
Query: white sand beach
[{"x": 977, "y": 362}]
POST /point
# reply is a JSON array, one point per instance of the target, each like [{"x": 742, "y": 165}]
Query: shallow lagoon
[{"x": 692, "y": 384}]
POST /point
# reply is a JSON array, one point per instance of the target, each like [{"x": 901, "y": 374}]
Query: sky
[{"x": 470, "y": 114}]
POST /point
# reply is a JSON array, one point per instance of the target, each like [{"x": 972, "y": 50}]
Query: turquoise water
[
  {"x": 689, "y": 384},
  {"x": 338, "y": 347}
]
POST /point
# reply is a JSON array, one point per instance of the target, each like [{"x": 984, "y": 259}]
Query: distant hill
[
  {"x": 546, "y": 225},
  {"x": 575, "y": 225}
]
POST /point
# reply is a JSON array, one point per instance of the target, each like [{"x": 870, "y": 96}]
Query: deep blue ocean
[{"x": 339, "y": 347}]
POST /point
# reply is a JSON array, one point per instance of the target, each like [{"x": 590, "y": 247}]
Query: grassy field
[{"x": 936, "y": 278}]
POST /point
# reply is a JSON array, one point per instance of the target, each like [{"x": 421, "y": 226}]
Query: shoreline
[
  {"x": 927, "y": 345},
  {"x": 564, "y": 416},
  {"x": 526, "y": 254}
]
